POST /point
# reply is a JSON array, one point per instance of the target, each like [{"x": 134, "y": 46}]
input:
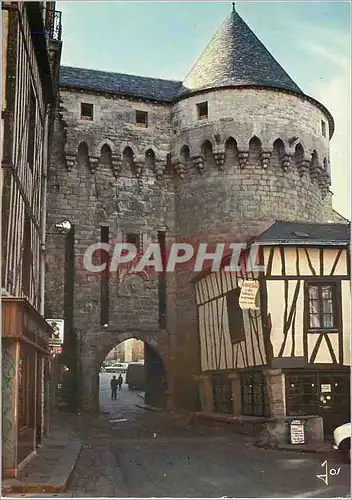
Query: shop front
[
  {"x": 25, "y": 360},
  {"x": 324, "y": 393}
]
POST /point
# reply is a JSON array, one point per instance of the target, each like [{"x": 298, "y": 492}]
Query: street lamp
[{"x": 63, "y": 227}]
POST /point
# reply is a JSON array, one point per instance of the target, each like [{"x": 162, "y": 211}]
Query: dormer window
[
  {"x": 323, "y": 128},
  {"x": 202, "y": 110},
  {"x": 141, "y": 119},
  {"x": 86, "y": 111}
]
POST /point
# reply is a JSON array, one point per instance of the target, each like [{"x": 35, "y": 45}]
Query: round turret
[{"x": 248, "y": 145}]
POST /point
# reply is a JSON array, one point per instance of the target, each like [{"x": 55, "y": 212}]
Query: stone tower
[
  {"x": 217, "y": 157},
  {"x": 249, "y": 147}
]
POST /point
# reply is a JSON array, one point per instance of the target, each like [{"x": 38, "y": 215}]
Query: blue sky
[{"x": 163, "y": 39}]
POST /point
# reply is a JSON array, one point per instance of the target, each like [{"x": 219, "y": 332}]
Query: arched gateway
[{"x": 98, "y": 344}]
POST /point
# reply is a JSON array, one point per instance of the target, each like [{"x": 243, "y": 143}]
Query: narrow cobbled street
[{"x": 130, "y": 451}]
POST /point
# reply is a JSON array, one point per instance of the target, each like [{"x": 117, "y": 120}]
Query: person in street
[
  {"x": 113, "y": 385},
  {"x": 119, "y": 382}
]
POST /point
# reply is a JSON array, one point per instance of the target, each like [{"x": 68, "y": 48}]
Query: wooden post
[{"x": 236, "y": 393}]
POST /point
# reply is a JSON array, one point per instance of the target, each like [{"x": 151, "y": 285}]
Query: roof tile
[
  {"x": 119, "y": 83},
  {"x": 305, "y": 233},
  {"x": 236, "y": 57},
  {"x": 233, "y": 57}
]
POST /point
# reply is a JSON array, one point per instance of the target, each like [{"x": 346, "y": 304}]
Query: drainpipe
[{"x": 43, "y": 211}]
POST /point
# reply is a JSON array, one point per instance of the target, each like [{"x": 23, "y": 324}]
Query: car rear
[{"x": 342, "y": 440}]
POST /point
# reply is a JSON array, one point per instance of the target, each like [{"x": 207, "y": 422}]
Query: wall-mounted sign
[
  {"x": 249, "y": 291},
  {"x": 55, "y": 350},
  {"x": 57, "y": 331},
  {"x": 325, "y": 388},
  {"x": 297, "y": 432}
]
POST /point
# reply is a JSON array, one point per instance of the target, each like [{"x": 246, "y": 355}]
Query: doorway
[{"x": 326, "y": 394}]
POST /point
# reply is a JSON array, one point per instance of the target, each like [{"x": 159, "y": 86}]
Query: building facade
[
  {"x": 289, "y": 354},
  {"x": 211, "y": 159},
  {"x": 31, "y": 58},
  {"x": 127, "y": 351}
]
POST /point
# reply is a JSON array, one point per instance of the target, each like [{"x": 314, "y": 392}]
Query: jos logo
[{"x": 331, "y": 472}]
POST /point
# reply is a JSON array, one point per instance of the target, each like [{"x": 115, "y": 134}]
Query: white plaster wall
[
  {"x": 276, "y": 308},
  {"x": 346, "y": 319}
]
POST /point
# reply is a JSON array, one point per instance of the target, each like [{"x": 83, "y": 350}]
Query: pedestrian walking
[
  {"x": 113, "y": 385},
  {"x": 120, "y": 381}
]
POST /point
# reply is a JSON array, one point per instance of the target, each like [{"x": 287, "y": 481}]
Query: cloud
[
  {"x": 336, "y": 96},
  {"x": 332, "y": 47},
  {"x": 328, "y": 43},
  {"x": 331, "y": 55}
]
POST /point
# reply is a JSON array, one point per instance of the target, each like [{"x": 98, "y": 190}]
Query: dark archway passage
[{"x": 155, "y": 378}]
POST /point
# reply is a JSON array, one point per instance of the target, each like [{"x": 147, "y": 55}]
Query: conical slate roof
[{"x": 236, "y": 57}]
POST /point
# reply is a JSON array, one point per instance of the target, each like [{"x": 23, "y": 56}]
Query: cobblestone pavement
[{"x": 129, "y": 451}]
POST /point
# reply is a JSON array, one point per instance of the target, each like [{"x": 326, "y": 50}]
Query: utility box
[{"x": 297, "y": 432}]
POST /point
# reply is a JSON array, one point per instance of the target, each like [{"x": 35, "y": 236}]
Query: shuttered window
[
  {"x": 31, "y": 129},
  {"x": 235, "y": 316},
  {"x": 27, "y": 257}
]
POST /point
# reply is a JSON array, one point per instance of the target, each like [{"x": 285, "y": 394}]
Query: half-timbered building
[
  {"x": 289, "y": 353},
  {"x": 31, "y": 57}
]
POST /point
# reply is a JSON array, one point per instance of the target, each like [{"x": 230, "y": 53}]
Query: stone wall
[
  {"x": 91, "y": 199},
  {"x": 114, "y": 122},
  {"x": 244, "y": 113}
]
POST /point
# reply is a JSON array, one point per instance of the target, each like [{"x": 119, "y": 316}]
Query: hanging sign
[
  {"x": 57, "y": 331},
  {"x": 249, "y": 291},
  {"x": 55, "y": 350},
  {"x": 297, "y": 432}
]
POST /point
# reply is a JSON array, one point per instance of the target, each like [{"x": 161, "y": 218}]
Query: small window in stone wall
[
  {"x": 202, "y": 110},
  {"x": 86, "y": 111},
  {"x": 141, "y": 119},
  {"x": 136, "y": 240},
  {"x": 323, "y": 128}
]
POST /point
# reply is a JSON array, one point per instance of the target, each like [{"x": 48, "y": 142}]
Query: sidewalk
[
  {"x": 323, "y": 448},
  {"x": 51, "y": 468},
  {"x": 246, "y": 426}
]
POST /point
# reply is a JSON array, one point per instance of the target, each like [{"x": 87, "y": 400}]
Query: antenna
[{"x": 233, "y": 7}]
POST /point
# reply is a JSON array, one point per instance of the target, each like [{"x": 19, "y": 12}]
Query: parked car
[
  {"x": 135, "y": 376},
  {"x": 117, "y": 368},
  {"x": 342, "y": 440}
]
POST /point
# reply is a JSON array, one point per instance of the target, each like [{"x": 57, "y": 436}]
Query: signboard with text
[
  {"x": 55, "y": 350},
  {"x": 325, "y": 388},
  {"x": 248, "y": 296},
  {"x": 297, "y": 432}
]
